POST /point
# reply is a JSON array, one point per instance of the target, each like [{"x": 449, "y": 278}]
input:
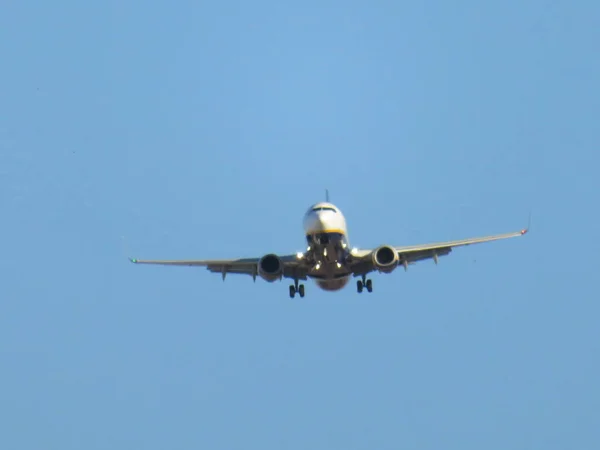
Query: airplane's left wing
[
  {"x": 447, "y": 246},
  {"x": 414, "y": 253},
  {"x": 247, "y": 266}
]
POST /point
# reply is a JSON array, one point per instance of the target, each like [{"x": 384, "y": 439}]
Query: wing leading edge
[
  {"x": 459, "y": 243},
  {"x": 414, "y": 253},
  {"x": 294, "y": 268},
  {"x": 245, "y": 266}
]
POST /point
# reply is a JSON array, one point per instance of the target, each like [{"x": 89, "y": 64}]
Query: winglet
[
  {"x": 526, "y": 230},
  {"x": 126, "y": 251}
]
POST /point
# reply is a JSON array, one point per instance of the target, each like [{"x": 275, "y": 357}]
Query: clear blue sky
[{"x": 204, "y": 130}]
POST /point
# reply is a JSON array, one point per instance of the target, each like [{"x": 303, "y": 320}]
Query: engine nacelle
[
  {"x": 270, "y": 267},
  {"x": 385, "y": 259}
]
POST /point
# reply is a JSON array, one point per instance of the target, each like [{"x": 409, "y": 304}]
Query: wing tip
[{"x": 526, "y": 230}]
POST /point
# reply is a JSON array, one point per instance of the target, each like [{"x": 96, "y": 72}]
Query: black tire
[{"x": 359, "y": 286}]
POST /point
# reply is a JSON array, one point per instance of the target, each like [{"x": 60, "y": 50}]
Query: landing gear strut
[
  {"x": 364, "y": 283},
  {"x": 296, "y": 288}
]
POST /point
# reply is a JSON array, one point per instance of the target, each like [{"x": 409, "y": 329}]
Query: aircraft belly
[
  {"x": 329, "y": 271},
  {"x": 333, "y": 285},
  {"x": 327, "y": 275}
]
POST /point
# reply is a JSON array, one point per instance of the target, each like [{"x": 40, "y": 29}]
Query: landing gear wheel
[
  {"x": 359, "y": 286},
  {"x": 296, "y": 288},
  {"x": 369, "y": 286}
]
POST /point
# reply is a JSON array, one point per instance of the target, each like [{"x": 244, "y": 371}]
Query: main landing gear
[
  {"x": 364, "y": 283},
  {"x": 296, "y": 288}
]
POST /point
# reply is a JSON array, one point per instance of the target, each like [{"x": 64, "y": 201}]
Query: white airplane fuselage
[{"x": 328, "y": 246}]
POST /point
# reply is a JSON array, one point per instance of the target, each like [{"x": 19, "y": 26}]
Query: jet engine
[
  {"x": 270, "y": 267},
  {"x": 385, "y": 259}
]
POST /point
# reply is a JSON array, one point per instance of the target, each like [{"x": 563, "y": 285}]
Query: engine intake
[
  {"x": 270, "y": 268},
  {"x": 385, "y": 259}
]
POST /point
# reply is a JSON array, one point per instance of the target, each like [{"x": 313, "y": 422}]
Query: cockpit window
[{"x": 324, "y": 208}]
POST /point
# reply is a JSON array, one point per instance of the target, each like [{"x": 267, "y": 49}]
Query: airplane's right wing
[{"x": 292, "y": 267}]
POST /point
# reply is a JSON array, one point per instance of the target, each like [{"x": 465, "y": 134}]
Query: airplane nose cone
[{"x": 315, "y": 223}]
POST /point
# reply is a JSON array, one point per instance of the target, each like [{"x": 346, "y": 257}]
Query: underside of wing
[
  {"x": 197, "y": 262},
  {"x": 269, "y": 267},
  {"x": 390, "y": 257},
  {"x": 247, "y": 266},
  {"x": 458, "y": 243}
]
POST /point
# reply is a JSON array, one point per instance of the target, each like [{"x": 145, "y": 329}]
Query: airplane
[{"x": 329, "y": 260}]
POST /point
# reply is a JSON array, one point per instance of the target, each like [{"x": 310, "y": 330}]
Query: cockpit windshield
[{"x": 324, "y": 208}]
